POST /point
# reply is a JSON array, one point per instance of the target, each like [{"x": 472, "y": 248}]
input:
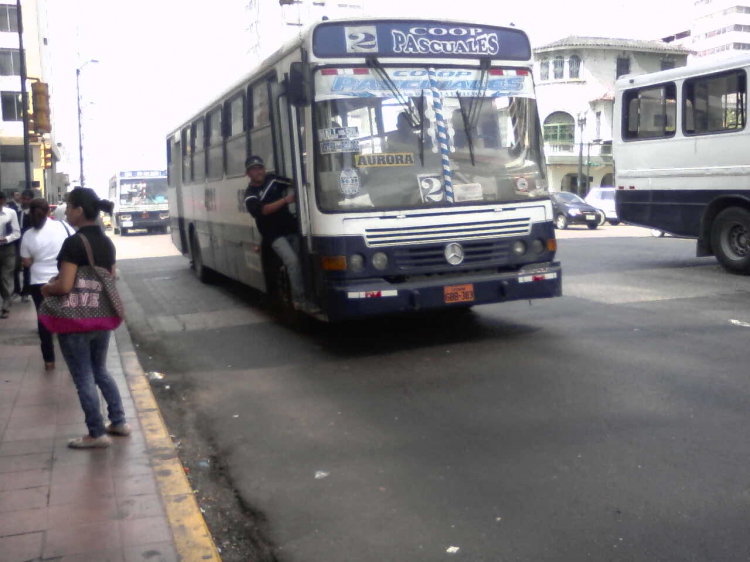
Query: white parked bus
[
  {"x": 140, "y": 199},
  {"x": 450, "y": 210},
  {"x": 682, "y": 156}
]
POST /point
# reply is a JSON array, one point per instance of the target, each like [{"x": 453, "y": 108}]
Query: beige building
[
  {"x": 575, "y": 84},
  {"x": 43, "y": 150}
]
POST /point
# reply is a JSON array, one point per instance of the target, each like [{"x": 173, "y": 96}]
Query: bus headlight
[
  {"x": 380, "y": 260},
  {"x": 519, "y": 248},
  {"x": 538, "y": 245},
  {"x": 356, "y": 263},
  {"x": 163, "y": 216}
]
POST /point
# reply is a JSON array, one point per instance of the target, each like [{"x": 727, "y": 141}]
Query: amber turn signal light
[{"x": 334, "y": 263}]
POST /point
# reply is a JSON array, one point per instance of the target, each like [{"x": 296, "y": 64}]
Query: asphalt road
[{"x": 610, "y": 424}]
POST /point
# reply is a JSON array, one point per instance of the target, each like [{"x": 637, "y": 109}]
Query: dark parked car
[{"x": 571, "y": 209}]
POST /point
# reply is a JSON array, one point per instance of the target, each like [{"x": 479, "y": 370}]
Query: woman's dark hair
[
  {"x": 38, "y": 211},
  {"x": 87, "y": 199}
]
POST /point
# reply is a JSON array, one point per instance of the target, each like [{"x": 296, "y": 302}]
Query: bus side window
[
  {"x": 236, "y": 142},
  {"x": 651, "y": 112},
  {"x": 716, "y": 103},
  {"x": 187, "y": 148},
  {"x": 199, "y": 155},
  {"x": 261, "y": 137},
  {"x": 215, "y": 169}
]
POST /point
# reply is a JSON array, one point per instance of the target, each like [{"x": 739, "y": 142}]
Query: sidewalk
[{"x": 129, "y": 502}]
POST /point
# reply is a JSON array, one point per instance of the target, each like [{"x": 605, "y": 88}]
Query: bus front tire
[
  {"x": 730, "y": 239},
  {"x": 561, "y": 222}
]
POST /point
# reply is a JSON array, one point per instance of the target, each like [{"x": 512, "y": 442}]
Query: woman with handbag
[
  {"x": 40, "y": 246},
  {"x": 85, "y": 352}
]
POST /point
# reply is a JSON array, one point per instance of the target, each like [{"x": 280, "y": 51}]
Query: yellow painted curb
[{"x": 192, "y": 538}]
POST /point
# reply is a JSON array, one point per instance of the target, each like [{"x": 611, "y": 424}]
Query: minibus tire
[
  {"x": 730, "y": 239},
  {"x": 201, "y": 271},
  {"x": 614, "y": 223},
  {"x": 561, "y": 222}
]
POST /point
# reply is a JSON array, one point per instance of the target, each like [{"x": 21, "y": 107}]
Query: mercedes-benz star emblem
[{"x": 454, "y": 253}]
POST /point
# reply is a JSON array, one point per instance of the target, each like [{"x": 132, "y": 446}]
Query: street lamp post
[
  {"x": 581, "y": 125},
  {"x": 80, "y": 129}
]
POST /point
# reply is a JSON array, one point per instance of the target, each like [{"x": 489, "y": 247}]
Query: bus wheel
[
  {"x": 730, "y": 239},
  {"x": 201, "y": 271},
  {"x": 561, "y": 222},
  {"x": 614, "y": 222}
]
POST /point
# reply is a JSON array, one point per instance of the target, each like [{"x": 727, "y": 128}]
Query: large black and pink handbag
[{"x": 92, "y": 304}]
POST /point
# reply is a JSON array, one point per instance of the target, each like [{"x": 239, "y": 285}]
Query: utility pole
[{"x": 24, "y": 100}]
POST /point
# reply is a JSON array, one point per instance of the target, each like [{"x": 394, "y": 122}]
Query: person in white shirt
[
  {"x": 39, "y": 249},
  {"x": 9, "y": 233}
]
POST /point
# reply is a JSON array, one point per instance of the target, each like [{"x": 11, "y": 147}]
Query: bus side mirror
[{"x": 299, "y": 85}]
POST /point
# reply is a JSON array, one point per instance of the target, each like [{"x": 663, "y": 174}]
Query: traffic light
[
  {"x": 40, "y": 95},
  {"x": 46, "y": 158}
]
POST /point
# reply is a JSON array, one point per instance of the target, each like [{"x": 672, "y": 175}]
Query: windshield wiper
[
  {"x": 471, "y": 120},
  {"x": 383, "y": 74},
  {"x": 467, "y": 130}
]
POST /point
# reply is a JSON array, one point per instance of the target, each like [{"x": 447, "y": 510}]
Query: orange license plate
[{"x": 458, "y": 293}]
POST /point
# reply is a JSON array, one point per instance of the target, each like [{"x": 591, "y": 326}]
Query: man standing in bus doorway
[{"x": 266, "y": 201}]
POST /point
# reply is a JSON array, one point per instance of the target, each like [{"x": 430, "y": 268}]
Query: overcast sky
[{"x": 160, "y": 60}]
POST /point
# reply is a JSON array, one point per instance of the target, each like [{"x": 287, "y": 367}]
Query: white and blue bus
[
  {"x": 416, "y": 154},
  {"x": 140, "y": 198},
  {"x": 681, "y": 156}
]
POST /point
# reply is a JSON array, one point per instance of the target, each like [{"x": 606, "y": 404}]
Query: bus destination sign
[{"x": 419, "y": 39}]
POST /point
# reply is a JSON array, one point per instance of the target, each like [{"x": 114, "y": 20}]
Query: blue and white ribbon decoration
[{"x": 442, "y": 130}]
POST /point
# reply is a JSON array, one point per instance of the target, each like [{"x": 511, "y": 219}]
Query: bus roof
[{"x": 697, "y": 69}]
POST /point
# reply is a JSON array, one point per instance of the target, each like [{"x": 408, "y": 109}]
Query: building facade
[
  {"x": 38, "y": 63},
  {"x": 575, "y": 84}
]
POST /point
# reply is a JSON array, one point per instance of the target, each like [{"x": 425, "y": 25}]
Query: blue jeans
[
  {"x": 86, "y": 357},
  {"x": 286, "y": 248}
]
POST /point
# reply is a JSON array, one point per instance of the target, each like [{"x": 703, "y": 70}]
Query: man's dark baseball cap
[{"x": 254, "y": 161}]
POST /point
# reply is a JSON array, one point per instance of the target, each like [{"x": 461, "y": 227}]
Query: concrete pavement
[{"x": 129, "y": 502}]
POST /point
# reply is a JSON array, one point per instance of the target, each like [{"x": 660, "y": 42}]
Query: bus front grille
[
  {"x": 476, "y": 254},
  {"x": 377, "y": 237}
]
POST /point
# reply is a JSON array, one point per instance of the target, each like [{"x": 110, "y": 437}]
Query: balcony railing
[{"x": 603, "y": 149}]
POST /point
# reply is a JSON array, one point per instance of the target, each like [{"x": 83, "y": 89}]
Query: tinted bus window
[
  {"x": 187, "y": 151},
  {"x": 261, "y": 138}
]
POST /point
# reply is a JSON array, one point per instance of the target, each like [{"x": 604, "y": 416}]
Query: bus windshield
[
  {"x": 415, "y": 137},
  {"x": 144, "y": 191}
]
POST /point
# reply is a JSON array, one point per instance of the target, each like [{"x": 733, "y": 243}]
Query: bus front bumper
[{"x": 373, "y": 297}]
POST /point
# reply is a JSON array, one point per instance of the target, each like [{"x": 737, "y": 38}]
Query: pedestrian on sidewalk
[
  {"x": 9, "y": 233},
  {"x": 21, "y": 280},
  {"x": 86, "y": 353},
  {"x": 40, "y": 246}
]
